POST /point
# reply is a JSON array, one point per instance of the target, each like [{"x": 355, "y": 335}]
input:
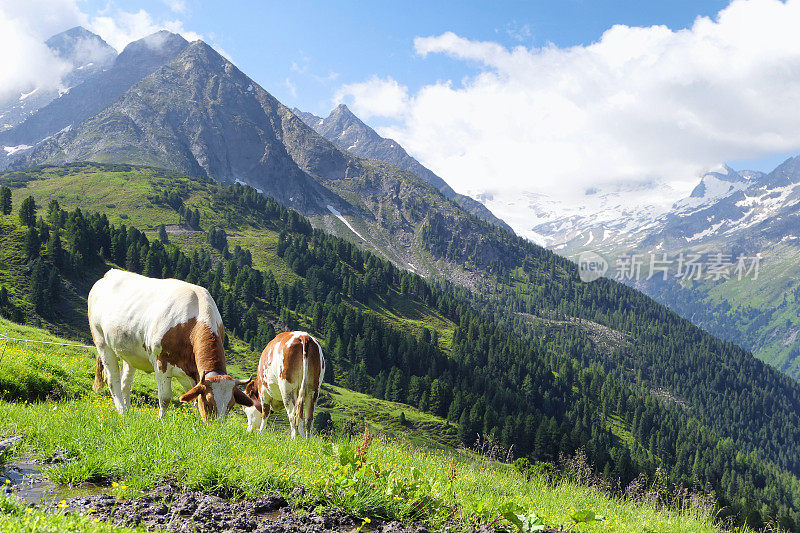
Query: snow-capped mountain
[
  {"x": 84, "y": 54},
  {"x": 596, "y": 217},
  {"x": 730, "y": 214},
  {"x": 716, "y": 185}
]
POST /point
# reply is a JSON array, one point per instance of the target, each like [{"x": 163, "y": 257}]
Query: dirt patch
[{"x": 170, "y": 507}]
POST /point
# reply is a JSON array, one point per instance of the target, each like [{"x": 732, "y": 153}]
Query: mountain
[
  {"x": 503, "y": 338},
  {"x": 200, "y": 115},
  {"x": 85, "y": 100},
  {"x": 84, "y": 54},
  {"x": 348, "y": 132},
  {"x": 738, "y": 214}
]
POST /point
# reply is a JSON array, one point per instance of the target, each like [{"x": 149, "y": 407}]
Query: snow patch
[
  {"x": 705, "y": 232},
  {"x": 11, "y": 150},
  {"x": 338, "y": 215},
  {"x": 250, "y": 88},
  {"x": 23, "y": 96}
]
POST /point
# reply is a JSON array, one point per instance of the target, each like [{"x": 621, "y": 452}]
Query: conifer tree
[
  {"x": 5, "y": 200},
  {"x": 27, "y": 211},
  {"x": 32, "y": 244},
  {"x": 162, "y": 234}
]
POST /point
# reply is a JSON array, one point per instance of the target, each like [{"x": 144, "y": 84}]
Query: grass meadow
[{"x": 46, "y": 397}]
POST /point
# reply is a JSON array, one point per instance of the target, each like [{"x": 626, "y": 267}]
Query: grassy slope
[
  {"x": 129, "y": 191},
  {"x": 227, "y": 460},
  {"x": 33, "y": 371}
]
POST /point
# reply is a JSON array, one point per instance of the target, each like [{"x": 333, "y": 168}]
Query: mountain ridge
[
  {"x": 343, "y": 128},
  {"x": 83, "y": 101}
]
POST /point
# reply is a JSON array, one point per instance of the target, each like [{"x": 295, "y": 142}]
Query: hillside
[
  {"x": 454, "y": 488},
  {"x": 651, "y": 398},
  {"x": 733, "y": 213}
]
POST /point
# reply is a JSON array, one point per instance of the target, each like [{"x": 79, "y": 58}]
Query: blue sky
[
  {"x": 319, "y": 46},
  {"x": 304, "y": 51}
]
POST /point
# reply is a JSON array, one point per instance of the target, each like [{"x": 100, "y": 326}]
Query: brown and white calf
[
  {"x": 289, "y": 375},
  {"x": 162, "y": 326}
]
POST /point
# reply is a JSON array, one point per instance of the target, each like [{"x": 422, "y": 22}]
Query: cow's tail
[
  {"x": 301, "y": 394},
  {"x": 99, "y": 379}
]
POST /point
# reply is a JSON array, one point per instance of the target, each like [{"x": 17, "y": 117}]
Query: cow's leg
[
  {"x": 252, "y": 415},
  {"x": 112, "y": 375},
  {"x": 266, "y": 407},
  {"x": 164, "y": 383},
  {"x": 290, "y": 403},
  {"x": 308, "y": 410},
  {"x": 264, "y": 415},
  {"x": 127, "y": 384}
]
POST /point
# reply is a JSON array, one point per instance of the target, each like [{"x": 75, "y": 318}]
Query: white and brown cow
[
  {"x": 290, "y": 374},
  {"x": 162, "y": 326}
]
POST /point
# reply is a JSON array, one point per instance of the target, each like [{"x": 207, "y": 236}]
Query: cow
[
  {"x": 289, "y": 375},
  {"x": 162, "y": 326}
]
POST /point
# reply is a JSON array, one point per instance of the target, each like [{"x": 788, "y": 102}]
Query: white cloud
[
  {"x": 27, "y": 62},
  {"x": 376, "y": 97},
  {"x": 24, "y": 26},
  {"x": 291, "y": 87},
  {"x": 178, "y": 6},
  {"x": 122, "y": 27},
  {"x": 639, "y": 105}
]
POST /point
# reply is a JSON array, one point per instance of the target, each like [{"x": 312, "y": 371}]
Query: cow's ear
[
  {"x": 250, "y": 389},
  {"x": 192, "y": 393},
  {"x": 242, "y": 398}
]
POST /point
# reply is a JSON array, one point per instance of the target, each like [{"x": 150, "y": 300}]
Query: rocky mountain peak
[
  {"x": 787, "y": 173},
  {"x": 158, "y": 47},
  {"x": 81, "y": 47}
]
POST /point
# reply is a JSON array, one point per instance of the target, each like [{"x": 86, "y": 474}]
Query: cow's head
[
  {"x": 251, "y": 390},
  {"x": 216, "y": 395}
]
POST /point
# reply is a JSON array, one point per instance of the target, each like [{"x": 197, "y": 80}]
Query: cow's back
[
  {"x": 129, "y": 308},
  {"x": 282, "y": 359}
]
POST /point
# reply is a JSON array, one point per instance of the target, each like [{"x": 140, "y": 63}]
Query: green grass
[
  {"x": 421, "y": 428},
  {"x": 139, "y": 451},
  {"x": 17, "y": 517},
  {"x": 125, "y": 192}
]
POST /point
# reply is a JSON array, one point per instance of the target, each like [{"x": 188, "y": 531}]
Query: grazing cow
[
  {"x": 166, "y": 326},
  {"x": 289, "y": 374}
]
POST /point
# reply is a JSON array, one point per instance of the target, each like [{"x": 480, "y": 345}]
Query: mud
[{"x": 170, "y": 507}]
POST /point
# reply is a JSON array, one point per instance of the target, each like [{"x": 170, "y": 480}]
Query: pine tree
[
  {"x": 53, "y": 286},
  {"x": 38, "y": 291},
  {"x": 54, "y": 213},
  {"x": 27, "y": 211},
  {"x": 162, "y": 234},
  {"x": 5, "y": 200},
  {"x": 32, "y": 244},
  {"x": 132, "y": 262}
]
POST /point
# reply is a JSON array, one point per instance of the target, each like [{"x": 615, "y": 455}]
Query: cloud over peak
[{"x": 639, "y": 104}]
